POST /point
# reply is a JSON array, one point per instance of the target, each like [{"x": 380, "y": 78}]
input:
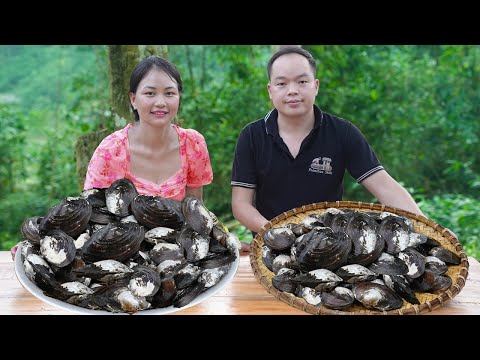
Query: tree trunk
[
  {"x": 121, "y": 60},
  {"x": 84, "y": 148}
]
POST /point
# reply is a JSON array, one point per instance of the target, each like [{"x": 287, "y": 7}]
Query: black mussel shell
[
  {"x": 155, "y": 211},
  {"x": 119, "y": 195}
]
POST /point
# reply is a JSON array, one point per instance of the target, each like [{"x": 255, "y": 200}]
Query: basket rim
[{"x": 301, "y": 304}]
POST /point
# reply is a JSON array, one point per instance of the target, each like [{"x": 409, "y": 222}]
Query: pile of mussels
[
  {"x": 344, "y": 257},
  {"x": 113, "y": 249}
]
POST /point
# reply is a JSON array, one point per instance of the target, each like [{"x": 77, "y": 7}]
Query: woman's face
[{"x": 157, "y": 98}]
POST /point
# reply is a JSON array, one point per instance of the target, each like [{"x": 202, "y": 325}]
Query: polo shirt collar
[{"x": 271, "y": 123}]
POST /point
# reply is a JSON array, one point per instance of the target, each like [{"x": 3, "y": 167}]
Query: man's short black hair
[{"x": 292, "y": 50}]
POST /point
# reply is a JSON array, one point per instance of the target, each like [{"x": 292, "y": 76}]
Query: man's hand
[{"x": 245, "y": 248}]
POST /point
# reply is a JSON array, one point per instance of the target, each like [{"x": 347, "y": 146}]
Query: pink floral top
[{"x": 111, "y": 161}]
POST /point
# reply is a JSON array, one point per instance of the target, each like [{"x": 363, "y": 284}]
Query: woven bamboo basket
[{"x": 422, "y": 225}]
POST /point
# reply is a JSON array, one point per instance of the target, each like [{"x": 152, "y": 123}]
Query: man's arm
[
  {"x": 389, "y": 192},
  {"x": 243, "y": 209}
]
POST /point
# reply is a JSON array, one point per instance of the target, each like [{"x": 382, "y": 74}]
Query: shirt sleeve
[
  {"x": 243, "y": 168},
  {"x": 361, "y": 159},
  {"x": 199, "y": 172},
  {"x": 108, "y": 163}
]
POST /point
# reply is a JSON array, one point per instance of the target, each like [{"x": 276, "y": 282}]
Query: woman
[{"x": 159, "y": 157}]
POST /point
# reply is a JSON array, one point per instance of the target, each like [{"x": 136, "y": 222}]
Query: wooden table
[{"x": 243, "y": 296}]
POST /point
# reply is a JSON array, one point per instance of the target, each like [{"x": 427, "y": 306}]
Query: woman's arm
[{"x": 195, "y": 191}]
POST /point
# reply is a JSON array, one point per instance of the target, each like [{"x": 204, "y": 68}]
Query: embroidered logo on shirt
[{"x": 321, "y": 165}]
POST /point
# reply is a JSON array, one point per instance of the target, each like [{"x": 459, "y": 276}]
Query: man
[{"x": 297, "y": 154}]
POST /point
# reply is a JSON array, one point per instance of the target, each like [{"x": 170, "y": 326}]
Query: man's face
[{"x": 292, "y": 87}]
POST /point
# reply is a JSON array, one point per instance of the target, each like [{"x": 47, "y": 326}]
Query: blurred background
[{"x": 418, "y": 106}]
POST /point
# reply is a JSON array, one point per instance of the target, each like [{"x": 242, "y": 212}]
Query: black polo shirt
[{"x": 264, "y": 163}]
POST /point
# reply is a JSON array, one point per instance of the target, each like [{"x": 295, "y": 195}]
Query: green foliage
[
  {"x": 417, "y": 106},
  {"x": 41, "y": 75},
  {"x": 459, "y": 213},
  {"x": 242, "y": 233},
  {"x": 12, "y": 141},
  {"x": 52, "y": 94},
  {"x": 56, "y": 159},
  {"x": 15, "y": 207}
]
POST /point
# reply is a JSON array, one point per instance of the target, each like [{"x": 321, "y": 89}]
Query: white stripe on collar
[{"x": 266, "y": 118}]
